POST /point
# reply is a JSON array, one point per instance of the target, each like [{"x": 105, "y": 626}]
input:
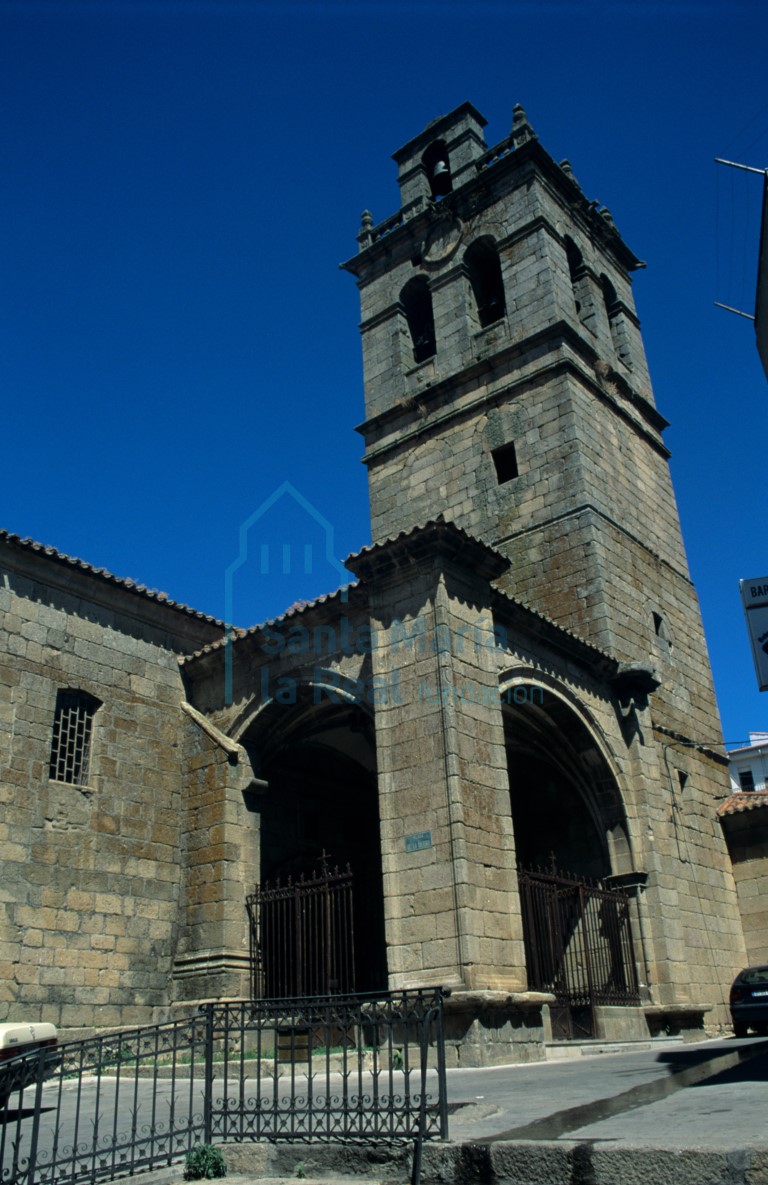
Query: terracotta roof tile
[
  {"x": 440, "y": 521},
  {"x": 743, "y": 800},
  {"x": 296, "y": 610},
  {"x": 149, "y": 594},
  {"x": 503, "y": 597}
]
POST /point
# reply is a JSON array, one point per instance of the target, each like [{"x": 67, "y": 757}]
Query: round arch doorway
[{"x": 318, "y": 818}]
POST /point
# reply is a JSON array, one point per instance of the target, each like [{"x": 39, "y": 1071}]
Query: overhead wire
[
  {"x": 730, "y": 145},
  {"x": 737, "y": 273}
]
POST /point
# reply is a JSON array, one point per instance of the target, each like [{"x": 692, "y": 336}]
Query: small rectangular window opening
[
  {"x": 71, "y": 743},
  {"x": 505, "y": 461},
  {"x": 661, "y": 631},
  {"x": 746, "y": 779}
]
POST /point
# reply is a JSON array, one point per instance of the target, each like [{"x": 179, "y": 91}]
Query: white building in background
[{"x": 749, "y": 765}]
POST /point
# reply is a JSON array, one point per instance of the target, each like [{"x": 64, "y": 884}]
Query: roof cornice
[{"x": 30, "y": 548}]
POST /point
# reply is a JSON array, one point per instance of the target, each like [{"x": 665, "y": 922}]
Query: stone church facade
[{"x": 511, "y": 700}]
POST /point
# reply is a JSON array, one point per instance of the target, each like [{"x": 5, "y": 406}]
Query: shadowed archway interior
[
  {"x": 566, "y": 807},
  {"x": 321, "y": 810}
]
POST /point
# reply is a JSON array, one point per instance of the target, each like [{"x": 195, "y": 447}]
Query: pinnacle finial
[
  {"x": 364, "y": 236},
  {"x": 521, "y": 128},
  {"x": 565, "y": 165}
]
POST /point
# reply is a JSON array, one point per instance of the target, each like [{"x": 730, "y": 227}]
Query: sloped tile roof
[
  {"x": 501, "y": 597},
  {"x": 296, "y": 610},
  {"x": 103, "y": 574},
  {"x": 419, "y": 529},
  {"x": 743, "y": 800},
  {"x": 374, "y": 549}
]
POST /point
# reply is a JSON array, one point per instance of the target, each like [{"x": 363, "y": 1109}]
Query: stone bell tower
[{"x": 506, "y": 389}]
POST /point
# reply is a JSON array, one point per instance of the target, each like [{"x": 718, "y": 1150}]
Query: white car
[{"x": 16, "y": 1039}]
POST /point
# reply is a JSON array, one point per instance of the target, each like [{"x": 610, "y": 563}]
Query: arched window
[
  {"x": 71, "y": 742},
  {"x": 438, "y": 169},
  {"x": 577, "y": 272},
  {"x": 662, "y": 633},
  {"x": 616, "y": 321},
  {"x": 416, "y": 300},
  {"x": 484, "y": 268},
  {"x": 610, "y": 298}
]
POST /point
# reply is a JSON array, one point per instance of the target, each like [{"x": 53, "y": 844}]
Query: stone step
[{"x": 555, "y": 1050}]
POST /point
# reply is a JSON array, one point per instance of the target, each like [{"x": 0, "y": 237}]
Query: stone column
[
  {"x": 221, "y": 852},
  {"x": 451, "y": 902}
]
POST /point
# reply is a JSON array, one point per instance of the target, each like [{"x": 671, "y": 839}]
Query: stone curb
[{"x": 505, "y": 1163}]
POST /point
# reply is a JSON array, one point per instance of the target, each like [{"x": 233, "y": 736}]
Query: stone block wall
[
  {"x": 746, "y": 833},
  {"x": 692, "y": 907},
  {"x": 90, "y": 874},
  {"x": 587, "y": 572}
]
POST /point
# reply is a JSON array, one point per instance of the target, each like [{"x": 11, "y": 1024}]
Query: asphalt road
[{"x": 708, "y": 1094}]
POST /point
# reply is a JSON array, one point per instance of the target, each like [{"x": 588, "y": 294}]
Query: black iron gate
[
  {"x": 578, "y": 946},
  {"x": 302, "y": 935}
]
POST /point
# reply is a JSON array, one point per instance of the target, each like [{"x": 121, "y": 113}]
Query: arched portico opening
[
  {"x": 565, "y": 801},
  {"x": 320, "y": 812},
  {"x": 570, "y": 838}
]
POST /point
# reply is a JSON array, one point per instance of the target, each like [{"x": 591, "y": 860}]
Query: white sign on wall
[{"x": 754, "y": 598}]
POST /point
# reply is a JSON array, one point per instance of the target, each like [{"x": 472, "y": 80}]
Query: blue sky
[{"x": 181, "y": 180}]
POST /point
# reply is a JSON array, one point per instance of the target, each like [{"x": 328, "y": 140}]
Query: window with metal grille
[{"x": 71, "y": 745}]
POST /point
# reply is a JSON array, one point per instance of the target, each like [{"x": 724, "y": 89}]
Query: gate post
[
  {"x": 433, "y": 1015},
  {"x": 584, "y": 923},
  {"x": 208, "y": 1079},
  {"x": 38, "y": 1107}
]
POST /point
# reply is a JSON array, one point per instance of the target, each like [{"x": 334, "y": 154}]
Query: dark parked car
[{"x": 749, "y": 1001}]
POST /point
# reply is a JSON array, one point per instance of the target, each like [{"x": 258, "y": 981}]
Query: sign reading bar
[
  {"x": 754, "y": 598},
  {"x": 418, "y": 841}
]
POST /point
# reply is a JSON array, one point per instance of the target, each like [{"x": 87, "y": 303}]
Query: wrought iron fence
[
  {"x": 578, "y": 945},
  {"x": 334, "y": 1069}
]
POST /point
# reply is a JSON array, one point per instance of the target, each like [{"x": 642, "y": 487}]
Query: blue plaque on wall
[{"x": 418, "y": 841}]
